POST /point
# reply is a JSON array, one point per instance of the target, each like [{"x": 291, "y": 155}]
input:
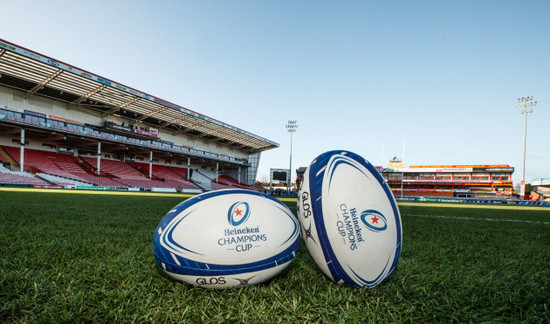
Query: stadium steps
[
  {"x": 13, "y": 177},
  {"x": 228, "y": 182},
  {"x": 144, "y": 171},
  {"x": 90, "y": 166},
  {"x": 170, "y": 176},
  {"x": 7, "y": 157},
  {"x": 182, "y": 176},
  {"x": 40, "y": 176},
  {"x": 202, "y": 181},
  {"x": 126, "y": 174},
  {"x": 84, "y": 165},
  {"x": 61, "y": 181}
]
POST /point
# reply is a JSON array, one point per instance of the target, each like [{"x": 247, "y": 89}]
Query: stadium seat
[
  {"x": 61, "y": 165},
  {"x": 22, "y": 178},
  {"x": 47, "y": 162},
  {"x": 172, "y": 176},
  {"x": 228, "y": 182},
  {"x": 126, "y": 174}
]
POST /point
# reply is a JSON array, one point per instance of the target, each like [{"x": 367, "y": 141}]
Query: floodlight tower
[
  {"x": 291, "y": 127},
  {"x": 525, "y": 106}
]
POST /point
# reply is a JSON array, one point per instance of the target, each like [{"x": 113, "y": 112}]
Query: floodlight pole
[
  {"x": 402, "y": 169},
  {"x": 525, "y": 106},
  {"x": 291, "y": 127}
]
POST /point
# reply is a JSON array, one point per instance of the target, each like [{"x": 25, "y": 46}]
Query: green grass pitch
[{"x": 88, "y": 258}]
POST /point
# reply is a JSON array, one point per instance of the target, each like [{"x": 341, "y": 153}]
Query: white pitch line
[
  {"x": 485, "y": 219},
  {"x": 469, "y": 205}
]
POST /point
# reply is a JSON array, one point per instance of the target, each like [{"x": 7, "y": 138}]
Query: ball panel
[
  {"x": 220, "y": 239},
  {"x": 226, "y": 233},
  {"x": 356, "y": 219},
  {"x": 348, "y": 188}
]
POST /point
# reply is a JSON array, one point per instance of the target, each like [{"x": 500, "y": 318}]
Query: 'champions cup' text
[
  {"x": 348, "y": 226},
  {"x": 242, "y": 239}
]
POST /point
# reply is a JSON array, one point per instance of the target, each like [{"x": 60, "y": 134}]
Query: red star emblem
[
  {"x": 238, "y": 212},
  {"x": 375, "y": 219}
]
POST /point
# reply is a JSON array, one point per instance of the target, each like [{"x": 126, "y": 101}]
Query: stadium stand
[
  {"x": 62, "y": 181},
  {"x": 37, "y": 161},
  {"x": 451, "y": 181},
  {"x": 541, "y": 187},
  {"x": 65, "y": 116}
]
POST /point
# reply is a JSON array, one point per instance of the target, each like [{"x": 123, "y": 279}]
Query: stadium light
[
  {"x": 291, "y": 127},
  {"x": 525, "y": 106}
]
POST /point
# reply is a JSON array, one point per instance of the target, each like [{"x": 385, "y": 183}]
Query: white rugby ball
[
  {"x": 226, "y": 238},
  {"x": 350, "y": 220}
]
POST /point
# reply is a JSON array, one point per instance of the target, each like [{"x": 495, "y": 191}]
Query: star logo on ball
[
  {"x": 238, "y": 213},
  {"x": 374, "y": 220}
]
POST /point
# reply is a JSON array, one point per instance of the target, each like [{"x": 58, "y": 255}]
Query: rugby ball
[
  {"x": 226, "y": 238},
  {"x": 349, "y": 219}
]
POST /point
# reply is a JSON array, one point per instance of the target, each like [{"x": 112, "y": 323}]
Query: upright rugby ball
[
  {"x": 350, "y": 221},
  {"x": 226, "y": 238}
]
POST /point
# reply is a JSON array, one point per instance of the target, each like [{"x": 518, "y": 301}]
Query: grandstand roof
[{"x": 37, "y": 74}]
